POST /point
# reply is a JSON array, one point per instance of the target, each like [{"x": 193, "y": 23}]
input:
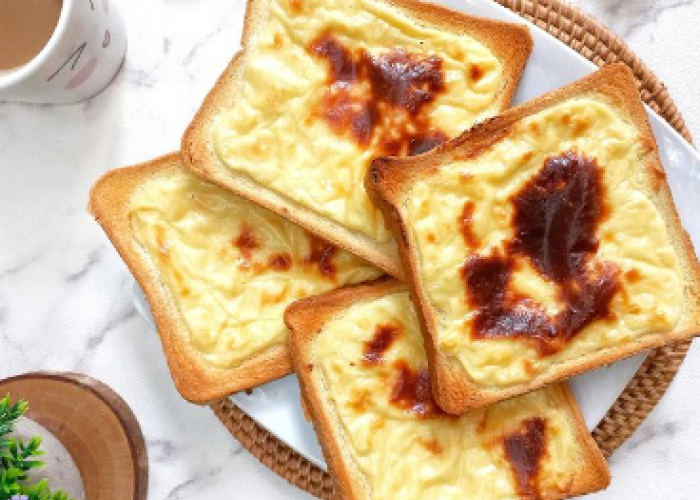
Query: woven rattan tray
[{"x": 598, "y": 44}]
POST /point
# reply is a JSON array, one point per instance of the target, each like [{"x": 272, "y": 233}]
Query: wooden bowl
[{"x": 95, "y": 425}]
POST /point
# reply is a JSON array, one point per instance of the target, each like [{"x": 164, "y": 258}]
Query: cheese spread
[{"x": 232, "y": 267}]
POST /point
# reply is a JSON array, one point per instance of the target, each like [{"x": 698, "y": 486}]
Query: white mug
[{"x": 82, "y": 56}]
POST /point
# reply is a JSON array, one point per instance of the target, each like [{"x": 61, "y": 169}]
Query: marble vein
[
  {"x": 194, "y": 51},
  {"x": 626, "y": 17},
  {"x": 140, "y": 77},
  {"x": 162, "y": 450},
  {"x": 22, "y": 265},
  {"x": 205, "y": 476},
  {"x": 652, "y": 433},
  {"x": 126, "y": 313},
  {"x": 93, "y": 259},
  {"x": 12, "y": 348}
]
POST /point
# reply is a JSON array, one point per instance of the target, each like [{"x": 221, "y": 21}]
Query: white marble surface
[{"x": 65, "y": 296}]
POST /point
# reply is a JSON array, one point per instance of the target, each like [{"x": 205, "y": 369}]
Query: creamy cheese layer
[
  {"x": 633, "y": 237},
  {"x": 275, "y": 133},
  {"x": 231, "y": 266},
  {"x": 443, "y": 458}
]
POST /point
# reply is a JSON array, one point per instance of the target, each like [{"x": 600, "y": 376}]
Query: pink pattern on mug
[{"x": 82, "y": 75}]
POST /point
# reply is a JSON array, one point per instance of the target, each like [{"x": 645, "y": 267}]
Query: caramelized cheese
[
  {"x": 231, "y": 266},
  {"x": 406, "y": 447},
  {"x": 327, "y": 86},
  {"x": 542, "y": 256}
]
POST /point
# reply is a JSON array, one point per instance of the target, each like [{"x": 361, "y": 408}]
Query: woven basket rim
[{"x": 601, "y": 46}]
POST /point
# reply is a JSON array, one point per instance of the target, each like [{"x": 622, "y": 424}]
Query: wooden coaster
[
  {"x": 601, "y": 46},
  {"x": 96, "y": 426}
]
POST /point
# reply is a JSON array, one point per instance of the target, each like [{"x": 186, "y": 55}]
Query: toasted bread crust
[
  {"x": 389, "y": 179},
  {"x": 511, "y": 43},
  {"x": 196, "y": 380},
  {"x": 306, "y": 318}
]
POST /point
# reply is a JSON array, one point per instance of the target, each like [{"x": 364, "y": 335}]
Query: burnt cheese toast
[
  {"x": 542, "y": 243},
  {"x": 359, "y": 356},
  {"x": 322, "y": 87}
]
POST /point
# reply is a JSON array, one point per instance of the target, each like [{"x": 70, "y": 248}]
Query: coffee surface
[{"x": 25, "y": 28}]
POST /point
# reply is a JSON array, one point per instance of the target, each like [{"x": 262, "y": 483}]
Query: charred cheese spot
[
  {"x": 556, "y": 216},
  {"x": 633, "y": 275},
  {"x": 464, "y": 177},
  {"x": 384, "y": 336},
  {"x": 297, "y": 6},
  {"x": 380, "y": 101},
  {"x": 231, "y": 266},
  {"x": 280, "y": 261},
  {"x": 580, "y": 126},
  {"x": 527, "y": 157},
  {"x": 475, "y": 72},
  {"x": 529, "y": 367},
  {"x": 321, "y": 255},
  {"x": 465, "y": 224},
  {"x": 534, "y": 128},
  {"x": 525, "y": 449},
  {"x": 432, "y": 445},
  {"x": 246, "y": 242},
  {"x": 411, "y": 391}
]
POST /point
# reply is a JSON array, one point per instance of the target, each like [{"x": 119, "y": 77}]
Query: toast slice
[
  {"x": 218, "y": 272},
  {"x": 322, "y": 87},
  {"x": 542, "y": 244},
  {"x": 359, "y": 356}
]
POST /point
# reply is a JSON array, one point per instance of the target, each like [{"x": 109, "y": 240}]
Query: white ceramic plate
[{"x": 276, "y": 405}]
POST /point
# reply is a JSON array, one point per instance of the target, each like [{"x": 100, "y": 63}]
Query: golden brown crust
[
  {"x": 306, "y": 318},
  {"x": 389, "y": 179},
  {"x": 196, "y": 380},
  {"x": 511, "y": 43},
  {"x": 594, "y": 473}
]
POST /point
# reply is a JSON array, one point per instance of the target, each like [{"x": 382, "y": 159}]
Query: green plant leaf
[
  {"x": 9, "y": 413},
  {"x": 18, "y": 457}
]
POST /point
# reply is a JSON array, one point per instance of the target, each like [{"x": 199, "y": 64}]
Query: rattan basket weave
[{"x": 598, "y": 44}]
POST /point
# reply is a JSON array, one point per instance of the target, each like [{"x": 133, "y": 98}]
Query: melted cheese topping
[
  {"x": 271, "y": 131},
  {"x": 231, "y": 298},
  {"x": 633, "y": 237},
  {"x": 404, "y": 456}
]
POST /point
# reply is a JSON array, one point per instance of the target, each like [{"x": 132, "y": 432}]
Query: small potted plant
[{"x": 18, "y": 457}]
